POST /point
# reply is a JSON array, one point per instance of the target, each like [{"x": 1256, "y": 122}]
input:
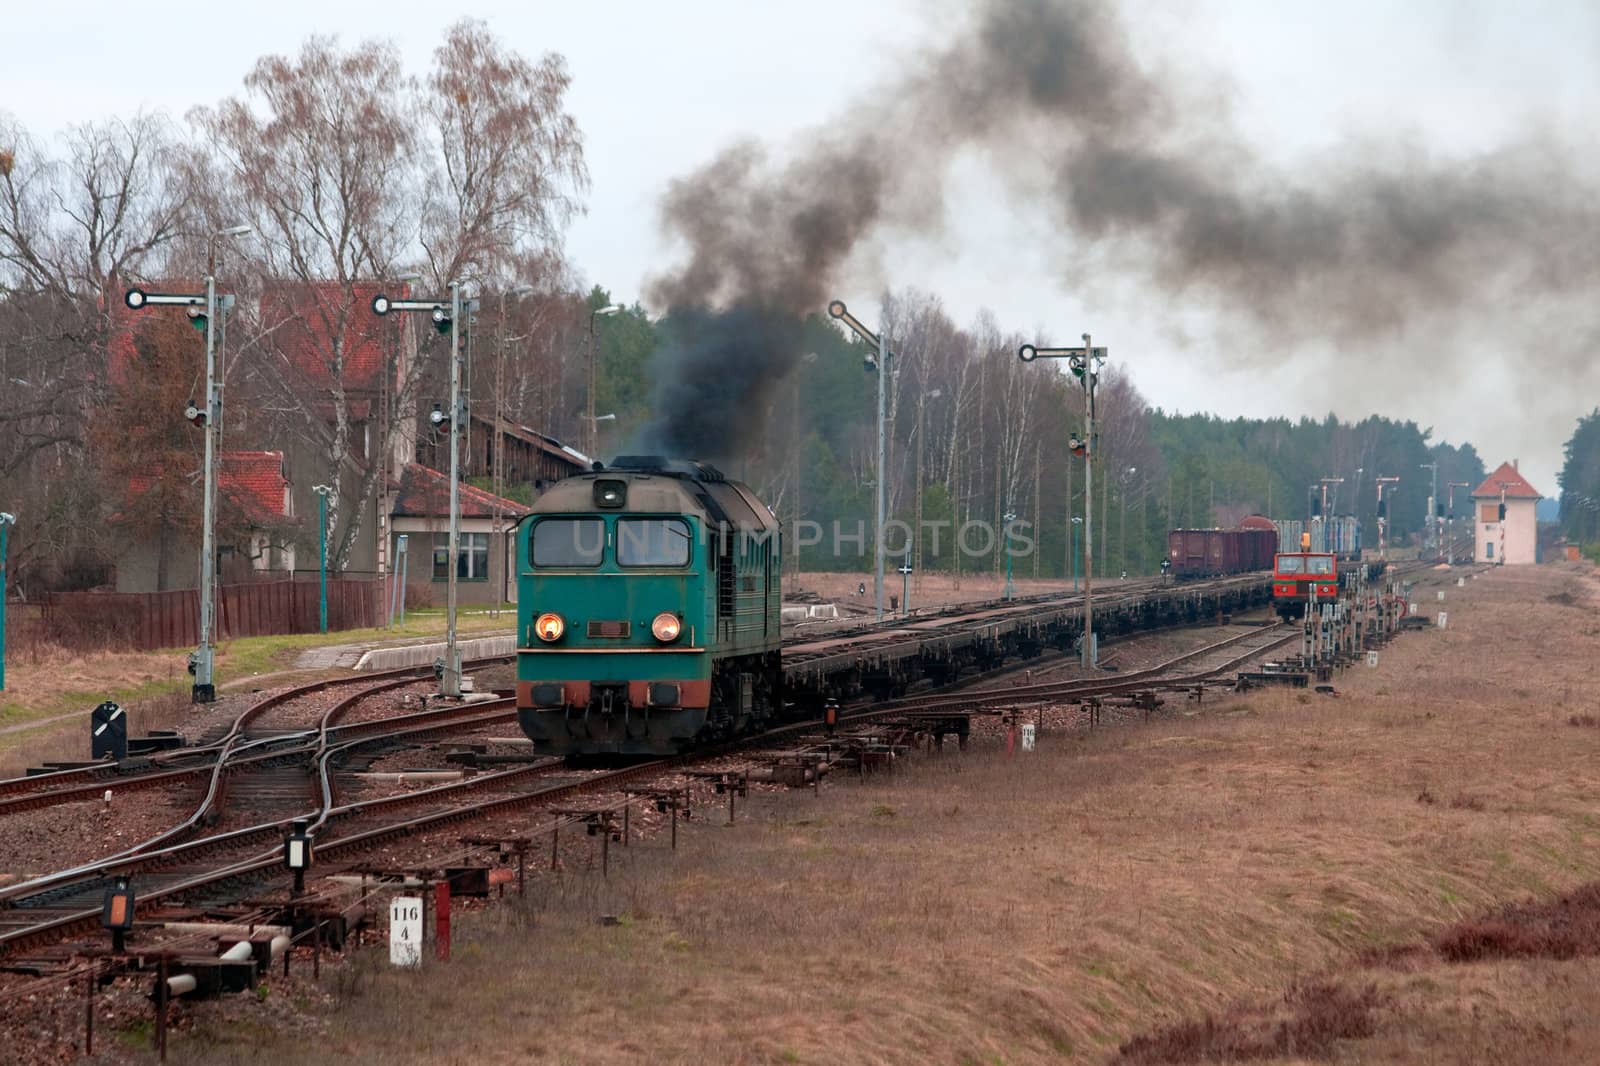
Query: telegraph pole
[{"x": 1084, "y": 363}]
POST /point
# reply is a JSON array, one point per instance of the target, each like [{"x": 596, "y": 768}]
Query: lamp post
[
  {"x": 837, "y": 309},
  {"x": 1325, "y": 482},
  {"x": 1122, "y": 518},
  {"x": 1433, "y": 502},
  {"x": 591, "y": 430},
  {"x": 796, "y": 458},
  {"x": 7, "y": 520},
  {"x": 497, "y": 472},
  {"x": 1084, "y": 363},
  {"x": 323, "y": 492},
  {"x": 923, "y": 396},
  {"x": 1011, "y": 589},
  {"x": 1383, "y": 516},
  {"x": 202, "y": 309},
  {"x": 446, "y": 319},
  {"x": 1450, "y": 520}
]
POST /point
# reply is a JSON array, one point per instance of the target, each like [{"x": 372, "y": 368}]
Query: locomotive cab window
[
  {"x": 569, "y": 542},
  {"x": 652, "y": 542},
  {"x": 1319, "y": 564},
  {"x": 1290, "y": 564}
]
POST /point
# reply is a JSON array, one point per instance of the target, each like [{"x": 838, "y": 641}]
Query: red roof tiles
[
  {"x": 1516, "y": 486},
  {"x": 254, "y": 481},
  {"x": 425, "y": 493}
]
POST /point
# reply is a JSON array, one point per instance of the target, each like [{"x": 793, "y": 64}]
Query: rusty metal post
[
  {"x": 555, "y": 842},
  {"x": 522, "y": 870},
  {"x": 674, "y": 822},
  {"x": 161, "y": 1008},
  {"x": 88, "y": 1011},
  {"x": 605, "y": 850},
  {"x": 316, "y": 952},
  {"x": 730, "y": 804},
  {"x": 441, "y": 920},
  {"x": 626, "y": 808}
]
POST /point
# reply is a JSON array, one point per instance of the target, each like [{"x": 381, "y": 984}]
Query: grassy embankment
[{"x": 45, "y": 682}]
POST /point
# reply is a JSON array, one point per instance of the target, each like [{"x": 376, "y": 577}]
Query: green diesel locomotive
[{"x": 648, "y": 607}]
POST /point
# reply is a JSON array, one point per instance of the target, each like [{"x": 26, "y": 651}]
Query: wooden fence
[{"x": 145, "y": 621}]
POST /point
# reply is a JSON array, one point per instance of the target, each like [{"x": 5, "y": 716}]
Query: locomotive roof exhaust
[{"x": 660, "y": 464}]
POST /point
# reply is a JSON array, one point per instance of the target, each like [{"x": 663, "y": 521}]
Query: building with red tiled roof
[
  {"x": 1504, "y": 521},
  {"x": 255, "y": 524},
  {"x": 421, "y": 515},
  {"x": 255, "y": 483}
]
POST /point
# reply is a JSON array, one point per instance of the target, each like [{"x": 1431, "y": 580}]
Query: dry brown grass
[{"x": 1265, "y": 865}]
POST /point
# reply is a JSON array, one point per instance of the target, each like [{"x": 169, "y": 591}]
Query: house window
[
  {"x": 472, "y": 562},
  {"x": 1488, "y": 550}
]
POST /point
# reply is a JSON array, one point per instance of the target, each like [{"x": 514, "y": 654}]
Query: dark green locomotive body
[{"x": 648, "y": 607}]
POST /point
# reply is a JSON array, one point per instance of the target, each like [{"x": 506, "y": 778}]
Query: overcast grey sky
[{"x": 659, "y": 88}]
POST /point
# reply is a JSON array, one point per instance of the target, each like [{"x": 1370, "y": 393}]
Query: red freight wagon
[{"x": 1208, "y": 552}]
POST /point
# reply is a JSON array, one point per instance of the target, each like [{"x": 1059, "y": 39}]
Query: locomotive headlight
[
  {"x": 666, "y": 627},
  {"x": 548, "y": 627}
]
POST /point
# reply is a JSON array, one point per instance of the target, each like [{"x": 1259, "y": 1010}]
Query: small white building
[{"x": 1506, "y": 530}]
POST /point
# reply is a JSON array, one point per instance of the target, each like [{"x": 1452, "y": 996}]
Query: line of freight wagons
[{"x": 1209, "y": 552}]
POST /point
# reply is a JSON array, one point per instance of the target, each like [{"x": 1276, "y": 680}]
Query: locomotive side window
[
  {"x": 652, "y": 542},
  {"x": 566, "y": 542}
]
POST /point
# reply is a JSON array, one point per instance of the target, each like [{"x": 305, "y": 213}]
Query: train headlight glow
[
  {"x": 549, "y": 626},
  {"x": 666, "y": 627}
]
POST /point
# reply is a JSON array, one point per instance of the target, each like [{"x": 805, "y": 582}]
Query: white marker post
[
  {"x": 1444, "y": 616},
  {"x": 1372, "y": 658},
  {"x": 405, "y": 931},
  {"x": 1027, "y": 736}
]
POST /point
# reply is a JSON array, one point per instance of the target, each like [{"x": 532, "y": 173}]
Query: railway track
[{"x": 62, "y": 902}]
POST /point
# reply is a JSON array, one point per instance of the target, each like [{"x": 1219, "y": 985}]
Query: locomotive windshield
[
  {"x": 1319, "y": 564},
  {"x": 1291, "y": 564},
  {"x": 569, "y": 541},
  {"x": 652, "y": 542}
]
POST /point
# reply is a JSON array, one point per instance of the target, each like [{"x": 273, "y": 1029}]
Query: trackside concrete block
[{"x": 425, "y": 654}]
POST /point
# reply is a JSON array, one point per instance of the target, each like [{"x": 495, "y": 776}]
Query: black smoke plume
[{"x": 1153, "y": 180}]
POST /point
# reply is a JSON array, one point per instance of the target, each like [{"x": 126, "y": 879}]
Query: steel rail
[{"x": 158, "y": 849}]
